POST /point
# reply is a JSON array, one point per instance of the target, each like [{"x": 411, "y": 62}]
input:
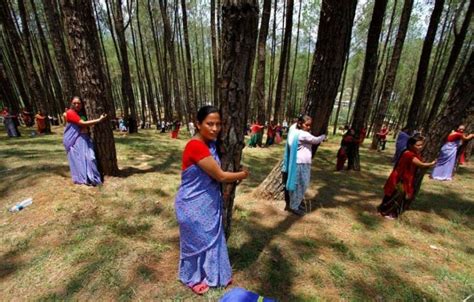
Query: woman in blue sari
[
  {"x": 10, "y": 121},
  {"x": 79, "y": 147},
  {"x": 447, "y": 157},
  {"x": 204, "y": 261}
]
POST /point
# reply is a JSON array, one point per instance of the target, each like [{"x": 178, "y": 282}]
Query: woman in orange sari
[{"x": 40, "y": 122}]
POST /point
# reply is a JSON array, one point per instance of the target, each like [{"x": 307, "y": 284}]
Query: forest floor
[{"x": 120, "y": 241}]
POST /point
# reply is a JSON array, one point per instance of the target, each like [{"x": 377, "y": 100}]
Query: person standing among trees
[
  {"x": 40, "y": 120},
  {"x": 176, "y": 126},
  {"x": 382, "y": 138},
  {"x": 10, "y": 123},
  {"x": 204, "y": 261},
  {"x": 401, "y": 143},
  {"x": 256, "y": 130},
  {"x": 447, "y": 158},
  {"x": 78, "y": 145},
  {"x": 399, "y": 190},
  {"x": 348, "y": 144},
  {"x": 297, "y": 162},
  {"x": 270, "y": 134}
]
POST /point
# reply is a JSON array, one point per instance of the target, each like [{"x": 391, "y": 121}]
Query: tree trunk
[
  {"x": 190, "y": 100},
  {"x": 79, "y": 23},
  {"x": 283, "y": 69},
  {"x": 149, "y": 86},
  {"x": 391, "y": 73},
  {"x": 456, "y": 49},
  {"x": 271, "y": 84},
  {"x": 334, "y": 35},
  {"x": 239, "y": 39},
  {"x": 334, "y": 130},
  {"x": 460, "y": 105},
  {"x": 258, "y": 94},
  {"x": 215, "y": 54},
  {"x": 364, "y": 94},
  {"x": 169, "y": 42},
  {"x": 417, "y": 101},
  {"x": 127, "y": 90}
]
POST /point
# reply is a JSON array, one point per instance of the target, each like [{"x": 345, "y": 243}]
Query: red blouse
[
  {"x": 194, "y": 151},
  {"x": 455, "y": 136},
  {"x": 403, "y": 172},
  {"x": 72, "y": 117}
]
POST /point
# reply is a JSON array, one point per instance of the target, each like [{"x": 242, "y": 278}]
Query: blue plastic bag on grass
[{"x": 241, "y": 295}]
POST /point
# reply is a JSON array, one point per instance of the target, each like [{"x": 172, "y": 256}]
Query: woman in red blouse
[
  {"x": 79, "y": 147},
  {"x": 399, "y": 190},
  {"x": 204, "y": 261}
]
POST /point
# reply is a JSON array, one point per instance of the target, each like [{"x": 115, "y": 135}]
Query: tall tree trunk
[
  {"x": 7, "y": 94},
  {"x": 162, "y": 69},
  {"x": 169, "y": 42},
  {"x": 346, "y": 65},
  {"x": 334, "y": 35},
  {"x": 456, "y": 49},
  {"x": 215, "y": 54},
  {"x": 84, "y": 45},
  {"x": 391, "y": 72},
  {"x": 149, "y": 86},
  {"x": 190, "y": 100},
  {"x": 258, "y": 94},
  {"x": 271, "y": 84},
  {"x": 282, "y": 71},
  {"x": 127, "y": 90},
  {"x": 460, "y": 105},
  {"x": 292, "y": 99},
  {"x": 418, "y": 95},
  {"x": 239, "y": 39},
  {"x": 364, "y": 94}
]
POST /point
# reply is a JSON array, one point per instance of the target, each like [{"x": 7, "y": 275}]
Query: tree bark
[
  {"x": 456, "y": 49},
  {"x": 364, "y": 94},
  {"x": 271, "y": 84},
  {"x": 391, "y": 73},
  {"x": 418, "y": 95},
  {"x": 258, "y": 94},
  {"x": 130, "y": 113},
  {"x": 239, "y": 39},
  {"x": 215, "y": 54},
  {"x": 190, "y": 100},
  {"x": 169, "y": 42},
  {"x": 283, "y": 69},
  {"x": 79, "y": 23}
]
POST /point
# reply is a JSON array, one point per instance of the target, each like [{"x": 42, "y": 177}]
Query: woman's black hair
[
  {"x": 205, "y": 111},
  {"x": 302, "y": 118},
  {"x": 413, "y": 140}
]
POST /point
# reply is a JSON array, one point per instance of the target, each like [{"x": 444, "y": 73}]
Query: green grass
[{"x": 120, "y": 241}]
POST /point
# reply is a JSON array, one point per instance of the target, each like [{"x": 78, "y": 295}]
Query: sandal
[{"x": 200, "y": 288}]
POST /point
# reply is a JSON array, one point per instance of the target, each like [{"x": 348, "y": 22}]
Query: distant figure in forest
[
  {"x": 10, "y": 121},
  {"x": 176, "y": 125},
  {"x": 122, "y": 124},
  {"x": 270, "y": 134},
  {"x": 447, "y": 158},
  {"x": 40, "y": 120},
  {"x": 78, "y": 144},
  {"x": 362, "y": 135},
  {"x": 401, "y": 143},
  {"x": 297, "y": 162},
  {"x": 382, "y": 138},
  {"x": 399, "y": 190},
  {"x": 27, "y": 117},
  {"x": 348, "y": 147},
  {"x": 278, "y": 133},
  {"x": 255, "y": 134},
  {"x": 192, "y": 128},
  {"x": 204, "y": 261}
]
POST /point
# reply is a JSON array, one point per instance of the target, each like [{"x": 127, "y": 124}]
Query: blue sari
[
  {"x": 446, "y": 161},
  {"x": 81, "y": 156},
  {"x": 203, "y": 248}
]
